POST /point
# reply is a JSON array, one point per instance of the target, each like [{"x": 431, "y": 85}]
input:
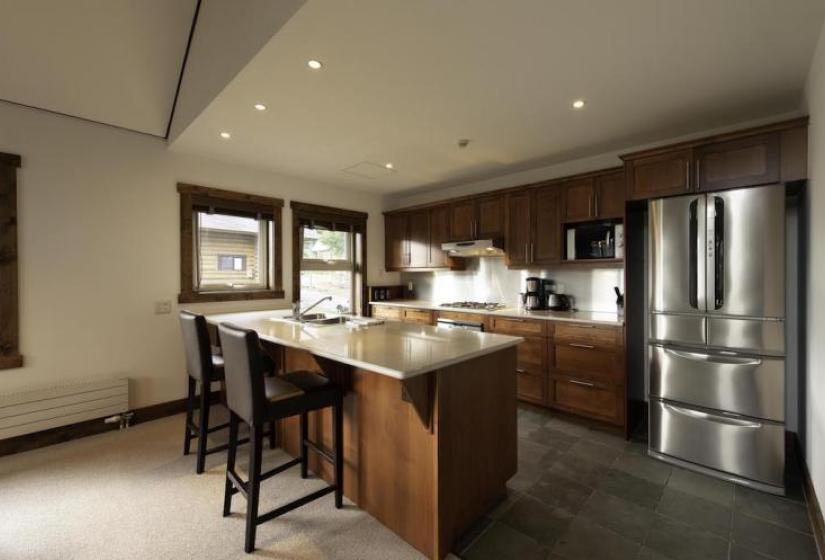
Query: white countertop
[
  {"x": 399, "y": 350},
  {"x": 572, "y": 316}
]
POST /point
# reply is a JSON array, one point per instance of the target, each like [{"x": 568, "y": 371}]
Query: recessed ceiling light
[
  {"x": 225, "y": 135},
  {"x": 314, "y": 64},
  {"x": 578, "y": 103},
  {"x": 389, "y": 165},
  {"x": 260, "y": 107}
]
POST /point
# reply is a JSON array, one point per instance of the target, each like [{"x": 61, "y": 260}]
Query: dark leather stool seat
[{"x": 255, "y": 400}]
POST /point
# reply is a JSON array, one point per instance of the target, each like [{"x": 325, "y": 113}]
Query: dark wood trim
[
  {"x": 190, "y": 196},
  {"x": 774, "y": 127},
  {"x": 304, "y": 211},
  {"x": 92, "y": 427},
  {"x": 814, "y": 509},
  {"x": 9, "y": 280}
]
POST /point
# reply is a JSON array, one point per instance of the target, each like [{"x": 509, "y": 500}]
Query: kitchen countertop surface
[
  {"x": 572, "y": 316},
  {"x": 399, "y": 350}
]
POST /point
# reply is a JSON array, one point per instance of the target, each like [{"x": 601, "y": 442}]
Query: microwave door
[{"x": 677, "y": 255}]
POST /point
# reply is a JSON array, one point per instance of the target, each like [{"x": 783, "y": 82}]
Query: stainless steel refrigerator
[{"x": 716, "y": 339}]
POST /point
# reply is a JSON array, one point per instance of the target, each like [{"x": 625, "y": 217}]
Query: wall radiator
[{"x": 34, "y": 410}]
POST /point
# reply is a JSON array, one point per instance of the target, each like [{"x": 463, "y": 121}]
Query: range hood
[{"x": 477, "y": 248}]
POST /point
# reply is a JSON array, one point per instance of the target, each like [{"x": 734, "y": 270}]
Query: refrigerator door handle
[
  {"x": 693, "y": 250},
  {"x": 741, "y": 423},
  {"x": 713, "y": 358},
  {"x": 697, "y": 244},
  {"x": 715, "y": 241}
]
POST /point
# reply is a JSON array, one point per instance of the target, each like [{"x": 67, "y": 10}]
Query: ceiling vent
[{"x": 369, "y": 170}]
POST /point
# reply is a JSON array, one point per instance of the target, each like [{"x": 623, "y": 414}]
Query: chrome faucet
[{"x": 298, "y": 315}]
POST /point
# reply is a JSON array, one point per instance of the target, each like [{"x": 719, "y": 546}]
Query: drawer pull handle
[
  {"x": 712, "y": 417},
  {"x": 520, "y": 371},
  {"x": 588, "y": 346},
  {"x": 582, "y": 383},
  {"x": 514, "y": 320},
  {"x": 714, "y": 359}
]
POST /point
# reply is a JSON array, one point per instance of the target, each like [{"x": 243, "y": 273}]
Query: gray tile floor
[{"x": 584, "y": 494}]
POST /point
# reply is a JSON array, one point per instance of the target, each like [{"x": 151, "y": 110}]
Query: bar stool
[
  {"x": 204, "y": 368},
  {"x": 256, "y": 400}
]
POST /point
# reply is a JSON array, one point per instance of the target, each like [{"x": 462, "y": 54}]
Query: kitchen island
[{"x": 429, "y": 422}]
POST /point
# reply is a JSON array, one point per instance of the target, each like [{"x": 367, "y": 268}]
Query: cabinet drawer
[
  {"x": 418, "y": 316},
  {"x": 589, "y": 399},
  {"x": 530, "y": 387},
  {"x": 386, "y": 313},
  {"x": 531, "y": 352},
  {"x": 591, "y": 362},
  {"x": 592, "y": 335},
  {"x": 460, "y": 316},
  {"x": 519, "y": 327}
]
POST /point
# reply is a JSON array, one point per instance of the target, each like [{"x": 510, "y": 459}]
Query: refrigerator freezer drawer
[
  {"x": 763, "y": 336},
  {"x": 739, "y": 446},
  {"x": 682, "y": 329},
  {"x": 753, "y": 386}
]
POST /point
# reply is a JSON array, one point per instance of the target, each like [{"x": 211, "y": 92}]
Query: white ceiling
[
  {"x": 404, "y": 80},
  {"x": 111, "y": 61}
]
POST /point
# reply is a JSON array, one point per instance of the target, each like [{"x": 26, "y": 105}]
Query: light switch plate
[{"x": 163, "y": 307}]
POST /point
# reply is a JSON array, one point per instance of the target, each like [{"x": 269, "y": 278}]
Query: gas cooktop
[{"x": 486, "y": 306}]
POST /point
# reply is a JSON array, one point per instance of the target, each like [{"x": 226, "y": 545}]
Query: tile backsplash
[{"x": 488, "y": 279}]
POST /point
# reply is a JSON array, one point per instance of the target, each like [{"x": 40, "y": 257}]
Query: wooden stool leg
[
  {"x": 253, "y": 485},
  {"x": 190, "y": 406},
  {"x": 338, "y": 436},
  {"x": 203, "y": 427},
  {"x": 304, "y": 436},
  {"x": 230, "y": 462}
]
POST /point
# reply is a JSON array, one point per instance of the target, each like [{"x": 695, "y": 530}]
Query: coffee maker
[{"x": 535, "y": 293}]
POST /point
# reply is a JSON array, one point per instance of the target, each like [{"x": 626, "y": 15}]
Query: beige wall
[
  {"x": 815, "y": 391},
  {"x": 98, "y": 231}
]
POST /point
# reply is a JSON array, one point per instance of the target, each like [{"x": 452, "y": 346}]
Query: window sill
[{"x": 201, "y": 297}]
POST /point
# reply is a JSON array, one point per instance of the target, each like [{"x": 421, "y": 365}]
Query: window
[
  {"x": 236, "y": 263},
  {"x": 330, "y": 246},
  {"x": 230, "y": 245}
]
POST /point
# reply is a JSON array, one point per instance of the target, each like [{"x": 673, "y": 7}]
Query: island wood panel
[{"x": 428, "y": 484}]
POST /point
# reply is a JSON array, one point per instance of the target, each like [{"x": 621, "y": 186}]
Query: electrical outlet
[{"x": 163, "y": 307}]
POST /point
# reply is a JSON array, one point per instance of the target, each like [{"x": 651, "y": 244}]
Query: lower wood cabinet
[
  {"x": 407, "y": 315},
  {"x": 531, "y": 386},
  {"x": 595, "y": 400},
  {"x": 387, "y": 313},
  {"x": 420, "y": 316}
]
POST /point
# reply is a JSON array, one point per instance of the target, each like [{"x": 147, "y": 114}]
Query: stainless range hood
[{"x": 477, "y": 248}]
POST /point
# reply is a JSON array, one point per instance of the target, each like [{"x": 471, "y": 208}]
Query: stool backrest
[
  {"x": 243, "y": 368},
  {"x": 197, "y": 346}
]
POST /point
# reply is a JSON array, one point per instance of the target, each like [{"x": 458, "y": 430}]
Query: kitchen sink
[{"x": 314, "y": 319}]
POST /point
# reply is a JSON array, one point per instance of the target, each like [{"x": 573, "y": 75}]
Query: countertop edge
[{"x": 414, "y": 304}]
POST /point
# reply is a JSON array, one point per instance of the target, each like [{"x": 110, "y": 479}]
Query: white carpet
[{"x": 132, "y": 494}]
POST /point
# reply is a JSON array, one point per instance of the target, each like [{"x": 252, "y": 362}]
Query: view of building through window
[
  {"x": 327, "y": 268},
  {"x": 231, "y": 252}
]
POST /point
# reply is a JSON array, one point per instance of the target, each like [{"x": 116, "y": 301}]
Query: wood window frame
[
  {"x": 303, "y": 212},
  {"x": 194, "y": 196},
  {"x": 10, "y": 356}
]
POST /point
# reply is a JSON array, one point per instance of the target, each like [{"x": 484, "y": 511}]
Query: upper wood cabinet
[
  {"x": 477, "y": 218},
  {"x": 578, "y": 200},
  {"x": 419, "y": 239},
  {"x": 610, "y": 195},
  {"x": 396, "y": 231},
  {"x": 660, "y": 175},
  {"x": 547, "y": 230},
  {"x": 534, "y": 227},
  {"x": 519, "y": 228},
  {"x": 753, "y": 160},
  {"x": 439, "y": 233}
]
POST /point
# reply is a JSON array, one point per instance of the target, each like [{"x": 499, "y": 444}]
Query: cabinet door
[
  {"x": 519, "y": 229},
  {"x": 419, "y": 239},
  {"x": 462, "y": 220},
  {"x": 738, "y": 163},
  {"x": 490, "y": 217},
  {"x": 547, "y": 231},
  {"x": 439, "y": 233},
  {"x": 579, "y": 200},
  {"x": 660, "y": 175},
  {"x": 610, "y": 196},
  {"x": 395, "y": 241}
]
